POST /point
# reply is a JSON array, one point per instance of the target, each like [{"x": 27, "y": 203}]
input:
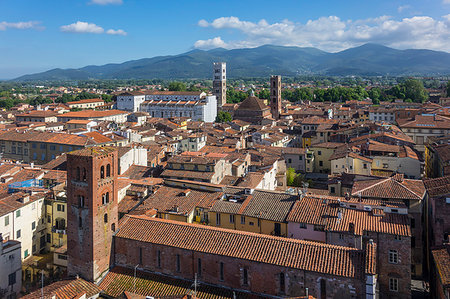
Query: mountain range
[{"x": 365, "y": 60}]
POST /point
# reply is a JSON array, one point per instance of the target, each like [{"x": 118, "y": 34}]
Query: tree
[
  {"x": 177, "y": 86},
  {"x": 410, "y": 89},
  {"x": 290, "y": 176},
  {"x": 264, "y": 94},
  {"x": 223, "y": 116}
]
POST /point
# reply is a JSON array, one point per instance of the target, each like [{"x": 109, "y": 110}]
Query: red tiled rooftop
[{"x": 297, "y": 254}]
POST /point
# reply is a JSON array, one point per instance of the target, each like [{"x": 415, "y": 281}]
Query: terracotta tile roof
[
  {"x": 262, "y": 204},
  {"x": 185, "y": 174},
  {"x": 438, "y": 186},
  {"x": 343, "y": 154},
  {"x": 325, "y": 211},
  {"x": 180, "y": 201},
  {"x": 38, "y": 113},
  {"x": 121, "y": 279},
  {"x": 136, "y": 172},
  {"x": 97, "y": 137},
  {"x": 66, "y": 289},
  {"x": 47, "y": 137},
  {"x": 442, "y": 260},
  {"x": 297, "y": 254},
  {"x": 394, "y": 187},
  {"x": 252, "y": 104},
  {"x": 426, "y": 122},
  {"x": 86, "y": 101},
  {"x": 94, "y": 151},
  {"x": 79, "y": 121},
  {"x": 92, "y": 113}
]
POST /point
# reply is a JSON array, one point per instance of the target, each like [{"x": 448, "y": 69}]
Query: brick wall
[
  {"x": 261, "y": 278},
  {"x": 89, "y": 246}
]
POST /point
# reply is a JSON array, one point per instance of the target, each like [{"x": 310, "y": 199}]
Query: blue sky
[{"x": 40, "y": 35}]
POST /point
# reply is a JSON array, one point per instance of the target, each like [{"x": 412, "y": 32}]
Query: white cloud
[
  {"x": 333, "y": 34},
  {"x": 85, "y": 27},
  {"x": 212, "y": 43},
  {"x": 82, "y": 27},
  {"x": 19, "y": 25},
  {"x": 446, "y": 1},
  {"x": 116, "y": 32},
  {"x": 402, "y": 8},
  {"x": 106, "y": 2}
]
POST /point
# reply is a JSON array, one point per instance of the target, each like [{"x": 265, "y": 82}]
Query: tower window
[
  {"x": 282, "y": 283},
  {"x": 108, "y": 170},
  {"x": 105, "y": 218},
  {"x": 158, "y": 257},
  {"x": 199, "y": 267},
  {"x": 113, "y": 227},
  {"x": 245, "y": 276},
  {"x": 102, "y": 172},
  {"x": 178, "y": 263},
  {"x": 80, "y": 222},
  {"x": 84, "y": 175},
  {"x": 78, "y": 173},
  {"x": 221, "y": 271},
  {"x": 80, "y": 201}
]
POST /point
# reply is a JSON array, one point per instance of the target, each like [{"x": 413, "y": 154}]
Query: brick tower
[
  {"x": 220, "y": 83},
  {"x": 92, "y": 214},
  {"x": 275, "y": 96}
]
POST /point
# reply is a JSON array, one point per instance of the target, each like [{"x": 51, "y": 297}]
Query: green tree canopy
[
  {"x": 177, "y": 86},
  {"x": 223, "y": 116}
]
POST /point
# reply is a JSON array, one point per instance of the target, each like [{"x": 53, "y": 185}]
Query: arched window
[
  {"x": 107, "y": 197},
  {"x": 105, "y": 218},
  {"x": 102, "y": 172},
  {"x": 78, "y": 173},
  {"x": 108, "y": 170},
  {"x": 113, "y": 227},
  {"x": 84, "y": 175}
]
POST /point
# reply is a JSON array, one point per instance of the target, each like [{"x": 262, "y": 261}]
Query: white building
[
  {"x": 193, "y": 142},
  {"x": 382, "y": 115},
  {"x": 130, "y": 156},
  {"x": 22, "y": 219},
  {"x": 10, "y": 268},
  {"x": 130, "y": 101},
  {"x": 194, "y": 105}
]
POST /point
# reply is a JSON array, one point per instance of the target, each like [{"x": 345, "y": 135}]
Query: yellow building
[
  {"x": 251, "y": 210},
  {"x": 56, "y": 218}
]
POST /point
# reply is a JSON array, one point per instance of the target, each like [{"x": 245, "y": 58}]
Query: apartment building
[
  {"x": 39, "y": 147},
  {"x": 209, "y": 168},
  {"x": 349, "y": 222},
  {"x": 421, "y": 127},
  {"x": 10, "y": 268},
  {"x": 43, "y": 116},
  {"x": 86, "y": 104},
  {"x": 22, "y": 219},
  {"x": 412, "y": 193}
]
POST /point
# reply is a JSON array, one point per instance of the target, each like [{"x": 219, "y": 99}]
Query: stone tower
[
  {"x": 92, "y": 210},
  {"x": 275, "y": 96},
  {"x": 220, "y": 83}
]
